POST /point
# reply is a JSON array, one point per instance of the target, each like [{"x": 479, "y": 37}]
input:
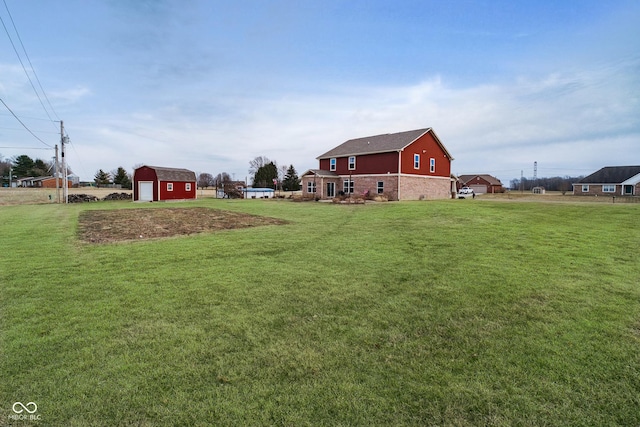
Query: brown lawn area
[{"x": 106, "y": 226}]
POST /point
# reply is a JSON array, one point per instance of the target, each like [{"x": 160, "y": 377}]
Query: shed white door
[{"x": 145, "y": 191}]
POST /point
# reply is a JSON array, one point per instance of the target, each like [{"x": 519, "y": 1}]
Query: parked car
[{"x": 466, "y": 192}]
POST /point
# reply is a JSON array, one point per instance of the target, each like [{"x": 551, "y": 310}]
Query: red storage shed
[{"x": 153, "y": 183}]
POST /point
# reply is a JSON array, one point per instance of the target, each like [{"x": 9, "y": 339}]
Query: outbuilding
[
  {"x": 154, "y": 183},
  {"x": 258, "y": 193}
]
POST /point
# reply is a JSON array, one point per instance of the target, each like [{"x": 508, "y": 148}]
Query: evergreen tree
[
  {"x": 102, "y": 178},
  {"x": 291, "y": 181},
  {"x": 265, "y": 175},
  {"x": 120, "y": 176},
  {"x": 23, "y": 166}
]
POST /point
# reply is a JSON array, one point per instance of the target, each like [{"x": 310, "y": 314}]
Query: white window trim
[
  {"x": 348, "y": 187},
  {"x": 169, "y": 186},
  {"x": 311, "y": 187},
  {"x": 187, "y": 186},
  {"x": 585, "y": 188},
  {"x": 432, "y": 165},
  {"x": 416, "y": 161},
  {"x": 352, "y": 165},
  {"x": 332, "y": 164},
  {"x": 380, "y": 187}
]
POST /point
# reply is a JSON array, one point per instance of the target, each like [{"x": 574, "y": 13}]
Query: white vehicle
[{"x": 466, "y": 192}]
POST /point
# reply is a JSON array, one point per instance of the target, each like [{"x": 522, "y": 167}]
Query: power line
[
  {"x": 23, "y": 125},
  {"x": 30, "y": 64},
  {"x": 25, "y": 148}
]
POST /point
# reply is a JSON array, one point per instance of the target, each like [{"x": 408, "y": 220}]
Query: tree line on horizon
[
  {"x": 556, "y": 183},
  {"x": 265, "y": 173}
]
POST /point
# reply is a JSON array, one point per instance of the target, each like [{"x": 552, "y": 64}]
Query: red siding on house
[
  {"x": 427, "y": 147},
  {"x": 389, "y": 159},
  {"x": 51, "y": 183},
  {"x": 179, "y": 191},
  {"x": 365, "y": 164}
]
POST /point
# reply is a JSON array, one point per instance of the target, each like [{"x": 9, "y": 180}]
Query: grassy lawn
[{"x": 449, "y": 313}]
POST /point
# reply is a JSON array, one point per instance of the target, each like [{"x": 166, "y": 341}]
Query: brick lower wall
[
  {"x": 411, "y": 187},
  {"x": 362, "y": 184},
  {"x": 424, "y": 188},
  {"x": 596, "y": 190}
]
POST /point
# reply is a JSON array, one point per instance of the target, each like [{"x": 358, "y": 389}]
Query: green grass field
[{"x": 448, "y": 313}]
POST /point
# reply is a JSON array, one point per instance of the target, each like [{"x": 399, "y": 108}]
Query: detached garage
[{"x": 153, "y": 183}]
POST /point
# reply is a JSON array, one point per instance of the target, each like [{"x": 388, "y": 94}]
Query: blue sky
[{"x": 210, "y": 85}]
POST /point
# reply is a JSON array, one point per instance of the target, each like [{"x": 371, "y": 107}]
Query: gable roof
[
  {"x": 611, "y": 175},
  {"x": 380, "y": 144},
  {"x": 321, "y": 173},
  {"x": 490, "y": 179},
  {"x": 173, "y": 174}
]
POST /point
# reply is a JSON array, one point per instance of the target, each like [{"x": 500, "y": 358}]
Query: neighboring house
[
  {"x": 153, "y": 183},
  {"x": 27, "y": 181},
  {"x": 42, "y": 182},
  {"x": 409, "y": 165},
  {"x": 481, "y": 184},
  {"x": 50, "y": 182},
  {"x": 610, "y": 181}
]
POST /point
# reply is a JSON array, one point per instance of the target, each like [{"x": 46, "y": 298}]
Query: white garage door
[
  {"x": 478, "y": 189},
  {"x": 145, "y": 191}
]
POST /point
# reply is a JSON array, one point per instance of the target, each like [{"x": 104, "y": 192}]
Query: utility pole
[
  {"x": 57, "y": 169},
  {"x": 65, "y": 187}
]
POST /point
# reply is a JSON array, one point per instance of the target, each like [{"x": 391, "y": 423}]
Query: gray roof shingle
[
  {"x": 489, "y": 178},
  {"x": 379, "y": 144},
  {"x": 611, "y": 175},
  {"x": 174, "y": 174}
]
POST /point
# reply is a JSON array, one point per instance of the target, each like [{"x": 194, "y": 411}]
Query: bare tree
[
  {"x": 221, "y": 179},
  {"x": 206, "y": 180},
  {"x": 257, "y": 163}
]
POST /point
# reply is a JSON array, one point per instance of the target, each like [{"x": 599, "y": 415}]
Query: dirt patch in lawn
[{"x": 140, "y": 224}]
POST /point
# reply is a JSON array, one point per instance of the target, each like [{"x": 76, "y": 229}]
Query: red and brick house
[
  {"x": 610, "y": 181},
  {"x": 411, "y": 165},
  {"x": 481, "y": 184},
  {"x": 152, "y": 183}
]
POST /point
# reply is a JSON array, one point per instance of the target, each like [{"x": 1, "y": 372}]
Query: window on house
[
  {"x": 352, "y": 162},
  {"x": 608, "y": 188},
  {"x": 416, "y": 161},
  {"x": 380, "y": 187},
  {"x": 169, "y": 186},
  {"x": 311, "y": 187},
  {"x": 347, "y": 186},
  {"x": 585, "y": 188},
  {"x": 187, "y": 186},
  {"x": 332, "y": 164},
  {"x": 432, "y": 165}
]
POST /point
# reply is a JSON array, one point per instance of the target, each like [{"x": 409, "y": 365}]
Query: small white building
[{"x": 258, "y": 193}]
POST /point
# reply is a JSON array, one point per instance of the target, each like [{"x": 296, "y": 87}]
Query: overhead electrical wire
[
  {"x": 22, "y": 63},
  {"x": 23, "y": 125}
]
